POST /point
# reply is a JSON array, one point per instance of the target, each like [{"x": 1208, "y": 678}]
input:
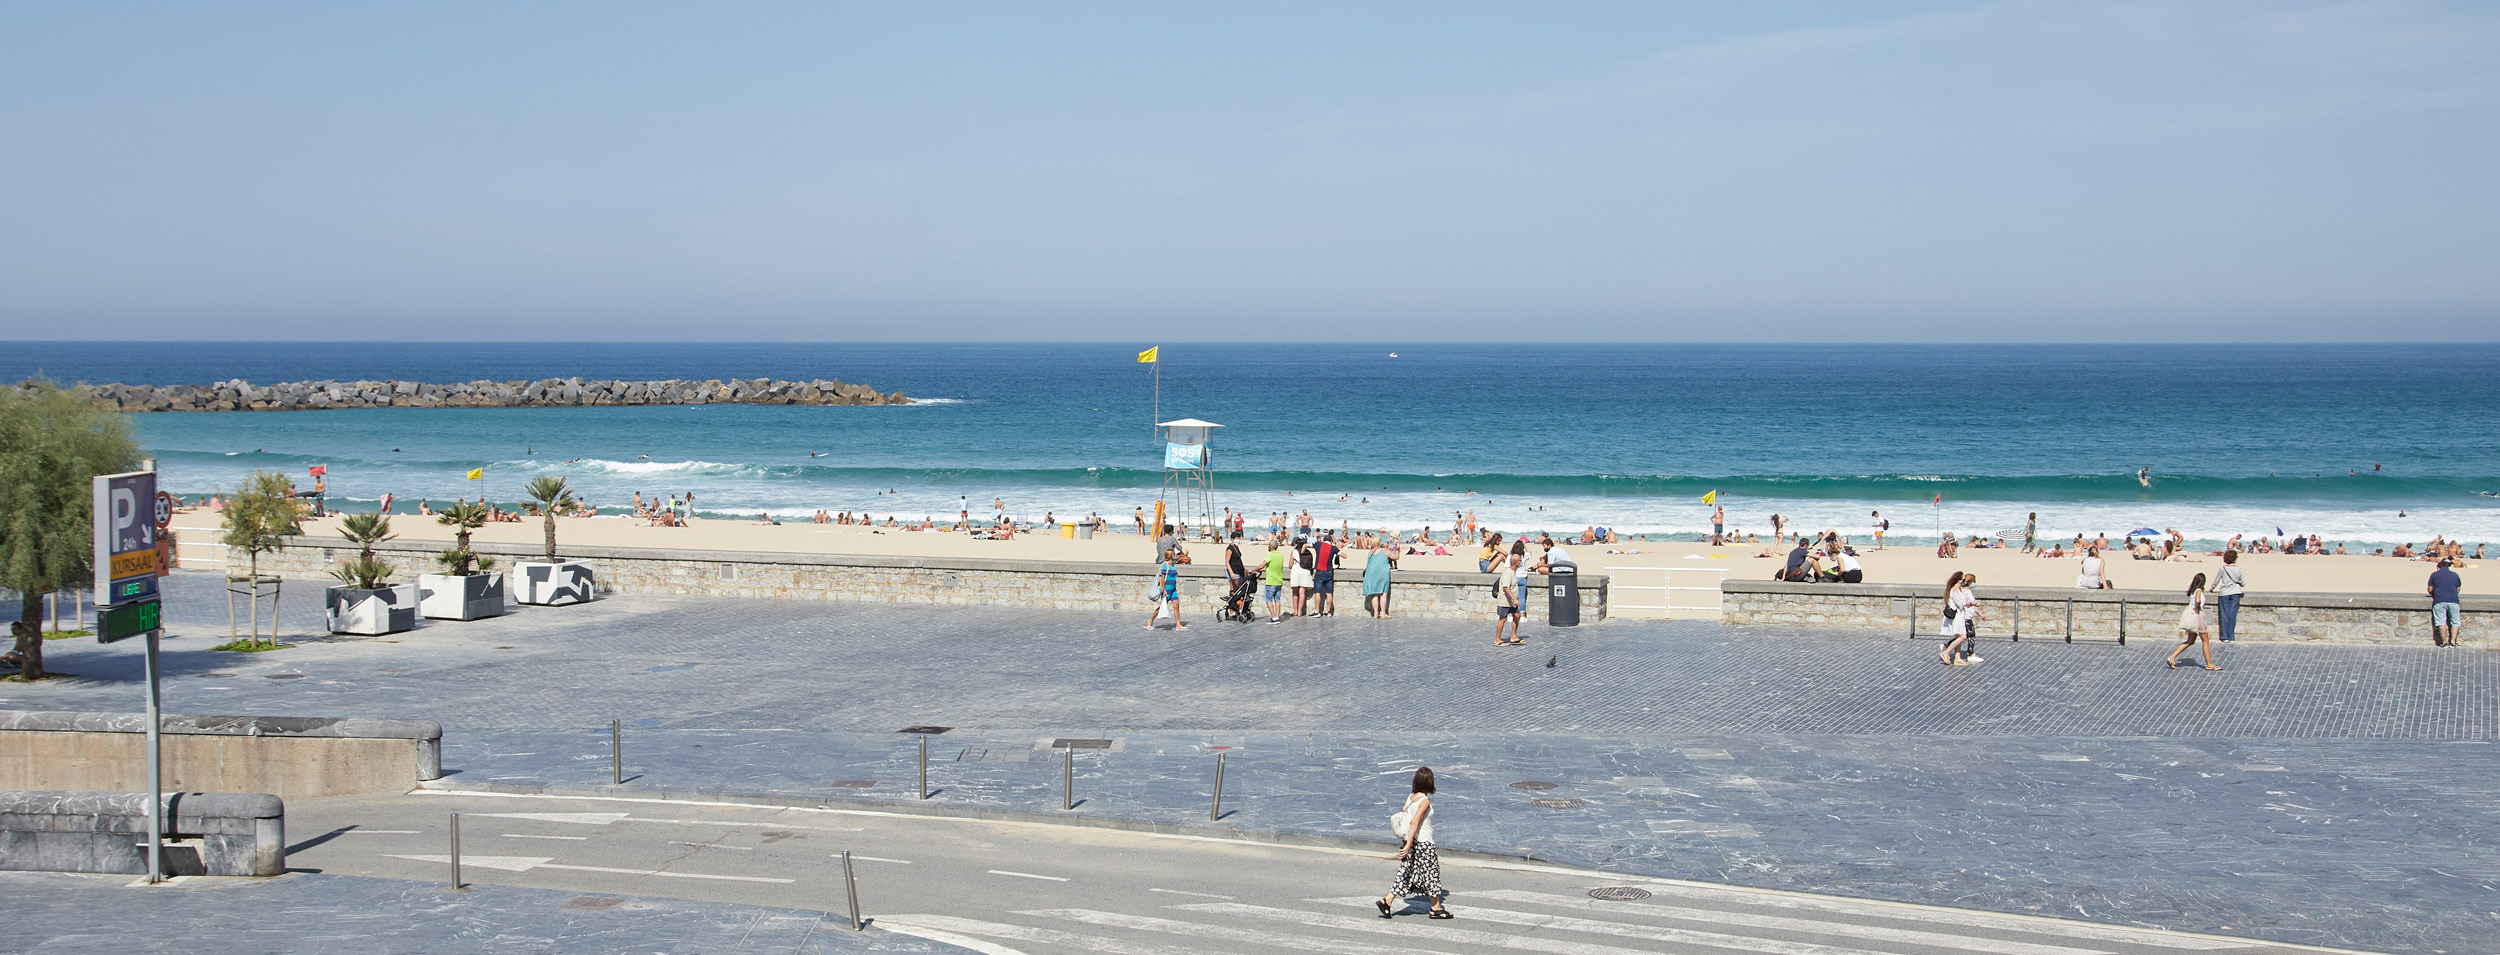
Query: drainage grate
[
  {"x": 1080, "y": 744},
  {"x": 593, "y": 903},
  {"x": 1532, "y": 784},
  {"x": 926, "y": 730},
  {"x": 854, "y": 783},
  {"x": 1618, "y": 893},
  {"x": 1557, "y": 803}
]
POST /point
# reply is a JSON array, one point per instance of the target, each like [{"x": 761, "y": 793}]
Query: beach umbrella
[{"x": 2144, "y": 532}]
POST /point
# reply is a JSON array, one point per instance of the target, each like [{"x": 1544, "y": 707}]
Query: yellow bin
[{"x": 1067, "y": 531}]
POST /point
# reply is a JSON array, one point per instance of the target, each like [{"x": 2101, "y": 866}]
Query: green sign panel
[{"x": 126, "y": 621}]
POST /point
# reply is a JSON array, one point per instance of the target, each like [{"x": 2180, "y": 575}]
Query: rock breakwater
[{"x": 240, "y": 395}]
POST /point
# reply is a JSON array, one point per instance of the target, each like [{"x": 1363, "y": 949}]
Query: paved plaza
[
  {"x": 2329, "y": 796},
  {"x": 304, "y": 913}
]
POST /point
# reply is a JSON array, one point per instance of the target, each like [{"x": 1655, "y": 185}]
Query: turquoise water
[{"x": 2239, "y": 439}]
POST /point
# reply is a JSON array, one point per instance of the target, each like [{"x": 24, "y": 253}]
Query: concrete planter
[
  {"x": 371, "y": 612},
  {"x": 443, "y": 597},
  {"x": 554, "y": 584}
]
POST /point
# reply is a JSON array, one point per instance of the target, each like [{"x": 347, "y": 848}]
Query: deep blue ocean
[{"x": 2240, "y": 439}]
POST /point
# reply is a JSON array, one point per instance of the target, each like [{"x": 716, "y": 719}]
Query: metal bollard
[
  {"x": 1068, "y": 779},
  {"x": 850, "y": 884},
  {"x": 616, "y": 751},
  {"x": 1217, "y": 812},
  {"x": 2122, "y": 621},
  {"x": 924, "y": 767},
  {"x": 2018, "y": 620},
  {"x": 1913, "y": 616},
  {"x": 2070, "y": 620},
  {"x": 455, "y": 854}
]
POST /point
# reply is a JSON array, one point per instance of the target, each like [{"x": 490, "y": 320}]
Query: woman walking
[
  {"x": 1506, "y": 603},
  {"x": 1376, "y": 581},
  {"x": 1420, "y": 871},
  {"x": 1959, "y": 608},
  {"x": 1167, "y": 592},
  {"x": 2192, "y": 625}
]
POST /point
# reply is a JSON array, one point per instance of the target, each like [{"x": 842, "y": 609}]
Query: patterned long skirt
[{"x": 1420, "y": 874}]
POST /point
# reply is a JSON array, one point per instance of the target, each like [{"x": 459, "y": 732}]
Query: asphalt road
[{"x": 1006, "y": 887}]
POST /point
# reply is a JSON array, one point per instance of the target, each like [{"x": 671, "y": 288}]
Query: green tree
[
  {"x": 259, "y": 519},
  {"x": 463, "y": 517},
  {"x": 553, "y": 494},
  {"x": 262, "y": 516},
  {"x": 364, "y": 530},
  {"x": 53, "y": 441}
]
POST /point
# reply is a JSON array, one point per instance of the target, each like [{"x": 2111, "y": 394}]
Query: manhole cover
[
  {"x": 1618, "y": 893},
  {"x": 854, "y": 783},
  {"x": 925, "y": 730},
  {"x": 1536, "y": 784},
  {"x": 593, "y": 902},
  {"x": 283, "y": 676},
  {"x": 1080, "y": 744},
  {"x": 1557, "y": 803}
]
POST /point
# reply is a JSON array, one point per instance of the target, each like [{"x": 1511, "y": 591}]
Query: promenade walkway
[{"x": 2325, "y": 796}]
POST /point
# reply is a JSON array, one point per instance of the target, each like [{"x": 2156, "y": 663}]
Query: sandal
[
  {"x": 2174, "y": 664},
  {"x": 1440, "y": 913},
  {"x": 1384, "y": 908},
  {"x": 2215, "y": 669}
]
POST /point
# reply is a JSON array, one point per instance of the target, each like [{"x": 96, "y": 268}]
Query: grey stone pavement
[
  {"x": 55, "y": 914},
  {"x": 2327, "y": 796}
]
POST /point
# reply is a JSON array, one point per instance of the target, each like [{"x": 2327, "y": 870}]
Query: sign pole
[
  {"x": 156, "y": 769},
  {"x": 125, "y": 577}
]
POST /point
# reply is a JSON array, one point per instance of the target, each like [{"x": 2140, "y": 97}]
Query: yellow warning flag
[
  {"x": 1710, "y": 498},
  {"x": 477, "y": 474},
  {"x": 1147, "y": 357}
]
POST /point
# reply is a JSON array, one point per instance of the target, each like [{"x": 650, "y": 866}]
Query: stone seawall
[
  {"x": 960, "y": 582},
  {"x": 2056, "y": 613},
  {"x": 240, "y": 395}
]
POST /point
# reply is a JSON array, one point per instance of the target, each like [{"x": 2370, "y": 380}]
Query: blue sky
[{"x": 1275, "y": 172}]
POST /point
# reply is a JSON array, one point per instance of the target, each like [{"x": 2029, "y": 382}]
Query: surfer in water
[
  {"x": 2144, "y": 476},
  {"x": 813, "y": 453}
]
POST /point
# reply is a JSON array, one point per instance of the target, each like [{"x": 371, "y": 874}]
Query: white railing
[
  {"x": 1626, "y": 581},
  {"x": 197, "y": 548}
]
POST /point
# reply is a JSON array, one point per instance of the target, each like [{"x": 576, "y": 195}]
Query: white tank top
[{"x": 1423, "y": 833}]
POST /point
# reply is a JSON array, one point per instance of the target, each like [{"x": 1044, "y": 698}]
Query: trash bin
[
  {"x": 1562, "y": 608},
  {"x": 1085, "y": 532},
  {"x": 1067, "y": 531}
]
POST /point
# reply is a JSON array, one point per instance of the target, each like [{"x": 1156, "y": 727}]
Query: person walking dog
[
  {"x": 2192, "y": 625},
  {"x": 1419, "y": 872}
]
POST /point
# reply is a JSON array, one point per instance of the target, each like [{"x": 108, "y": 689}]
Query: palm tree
[
  {"x": 365, "y": 530},
  {"x": 463, "y": 517},
  {"x": 552, "y": 495}
]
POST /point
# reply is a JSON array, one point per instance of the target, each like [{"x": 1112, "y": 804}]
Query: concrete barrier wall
[
  {"x": 2056, "y": 612},
  {"x": 288, "y": 756},
  {"x": 208, "y": 833},
  {"x": 962, "y": 582}
]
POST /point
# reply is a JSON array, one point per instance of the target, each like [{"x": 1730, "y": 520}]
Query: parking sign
[{"x": 125, "y": 537}]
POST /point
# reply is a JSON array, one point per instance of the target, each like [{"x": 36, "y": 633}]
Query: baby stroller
[{"x": 1238, "y": 605}]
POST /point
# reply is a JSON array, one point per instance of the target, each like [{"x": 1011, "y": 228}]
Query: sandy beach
[{"x": 1625, "y": 562}]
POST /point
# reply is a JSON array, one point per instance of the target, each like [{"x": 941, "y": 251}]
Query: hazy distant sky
[{"x": 1268, "y": 171}]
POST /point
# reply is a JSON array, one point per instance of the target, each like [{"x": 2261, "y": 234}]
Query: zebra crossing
[{"x": 1675, "y": 918}]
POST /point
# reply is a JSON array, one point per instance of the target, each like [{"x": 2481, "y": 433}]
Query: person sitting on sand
[
  {"x": 1947, "y": 547},
  {"x": 767, "y": 519}
]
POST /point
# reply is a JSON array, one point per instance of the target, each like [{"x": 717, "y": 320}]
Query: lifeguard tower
[{"x": 1189, "y": 474}]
